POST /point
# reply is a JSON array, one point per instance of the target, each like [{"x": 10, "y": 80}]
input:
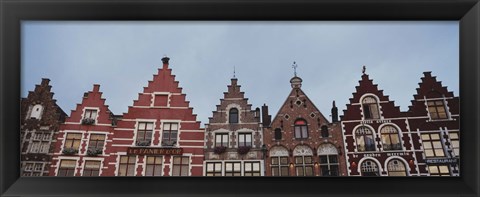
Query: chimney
[
  {"x": 257, "y": 113},
  {"x": 165, "y": 60},
  {"x": 96, "y": 87},
  {"x": 45, "y": 81},
  {"x": 334, "y": 112},
  {"x": 266, "y": 119}
]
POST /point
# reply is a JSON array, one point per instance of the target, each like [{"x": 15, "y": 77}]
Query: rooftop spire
[
  {"x": 364, "y": 69},
  {"x": 294, "y": 66},
  {"x": 234, "y": 72}
]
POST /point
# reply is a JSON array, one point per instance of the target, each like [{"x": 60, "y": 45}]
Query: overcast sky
[{"x": 123, "y": 56}]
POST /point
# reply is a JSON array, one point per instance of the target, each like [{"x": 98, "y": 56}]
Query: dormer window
[
  {"x": 436, "y": 109},
  {"x": 233, "y": 115},
  {"x": 36, "y": 112},
  {"x": 370, "y": 108},
  {"x": 89, "y": 117}
]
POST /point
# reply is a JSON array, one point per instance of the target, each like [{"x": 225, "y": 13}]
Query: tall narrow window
[
  {"x": 455, "y": 144},
  {"x": 370, "y": 108},
  {"x": 301, "y": 130},
  {"x": 40, "y": 142},
  {"x": 278, "y": 134},
  {"x": 324, "y": 131},
  {"x": 95, "y": 145},
  {"x": 233, "y": 169},
  {"x": 221, "y": 139},
  {"x": 328, "y": 160},
  {"x": 73, "y": 141},
  {"x": 233, "y": 115},
  {"x": 170, "y": 134},
  {"x": 214, "y": 169},
  {"x": 390, "y": 139},
  {"x": 92, "y": 168},
  {"x": 127, "y": 165},
  {"x": 432, "y": 145},
  {"x": 251, "y": 168},
  {"x": 279, "y": 161},
  {"x": 181, "y": 166},
  {"x": 244, "y": 139},
  {"x": 396, "y": 167},
  {"x": 154, "y": 166},
  {"x": 365, "y": 140},
  {"x": 144, "y": 133},
  {"x": 67, "y": 167},
  {"x": 369, "y": 168},
  {"x": 436, "y": 109}
]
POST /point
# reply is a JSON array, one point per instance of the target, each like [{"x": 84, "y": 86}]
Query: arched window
[
  {"x": 328, "y": 160},
  {"x": 301, "y": 130},
  {"x": 396, "y": 167},
  {"x": 303, "y": 160},
  {"x": 369, "y": 168},
  {"x": 36, "y": 112},
  {"x": 233, "y": 115},
  {"x": 390, "y": 138},
  {"x": 278, "y": 134},
  {"x": 279, "y": 161},
  {"x": 325, "y": 131},
  {"x": 370, "y": 108},
  {"x": 365, "y": 140}
]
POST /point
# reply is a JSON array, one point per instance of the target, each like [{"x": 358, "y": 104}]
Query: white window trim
[
  {"x": 355, "y": 138},
  {"x": 244, "y": 130},
  {"x": 57, "y": 167},
  {"x": 221, "y": 131},
  {"x": 407, "y": 166},
  {"x": 90, "y": 108},
  {"x": 227, "y": 111},
  {"x": 169, "y": 98},
  {"x": 380, "y": 167},
  {"x": 82, "y": 167},
  {"x": 65, "y": 133},
  {"x": 400, "y": 136},
  {"x": 117, "y": 164},
  {"x": 154, "y": 121},
  {"x": 144, "y": 164},
  {"x": 380, "y": 111},
  {"x": 160, "y": 135},
  {"x": 104, "y": 144},
  {"x": 189, "y": 164}
]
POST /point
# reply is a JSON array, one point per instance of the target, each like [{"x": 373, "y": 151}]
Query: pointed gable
[
  {"x": 366, "y": 86},
  {"x": 92, "y": 100}
]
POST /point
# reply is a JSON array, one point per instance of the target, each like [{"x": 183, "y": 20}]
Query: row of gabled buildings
[{"x": 160, "y": 136}]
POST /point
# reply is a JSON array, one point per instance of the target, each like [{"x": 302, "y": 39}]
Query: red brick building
[
  {"x": 300, "y": 140},
  {"x": 435, "y": 116},
  {"x": 234, "y": 137},
  {"x": 40, "y": 120},
  {"x": 381, "y": 140}
]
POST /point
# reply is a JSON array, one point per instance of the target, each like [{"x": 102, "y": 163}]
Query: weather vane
[
  {"x": 294, "y": 66},
  {"x": 363, "y": 70}
]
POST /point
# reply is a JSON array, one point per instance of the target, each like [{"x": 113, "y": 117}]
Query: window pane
[
  {"x": 439, "y": 152},
  {"x": 443, "y": 169},
  {"x": 429, "y": 153},
  {"x": 283, "y": 160}
]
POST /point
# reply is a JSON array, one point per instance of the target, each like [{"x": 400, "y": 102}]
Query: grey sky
[{"x": 123, "y": 56}]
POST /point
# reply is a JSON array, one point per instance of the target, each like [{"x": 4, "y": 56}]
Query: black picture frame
[{"x": 12, "y": 12}]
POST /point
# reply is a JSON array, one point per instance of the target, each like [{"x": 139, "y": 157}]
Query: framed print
[{"x": 359, "y": 144}]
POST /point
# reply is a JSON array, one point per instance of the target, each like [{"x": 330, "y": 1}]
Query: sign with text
[
  {"x": 441, "y": 161},
  {"x": 154, "y": 151}
]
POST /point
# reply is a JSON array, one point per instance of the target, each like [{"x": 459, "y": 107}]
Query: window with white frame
[
  {"x": 181, "y": 166},
  {"x": 67, "y": 167},
  {"x": 369, "y": 168},
  {"x": 170, "y": 134},
  {"x": 370, "y": 108},
  {"x": 36, "y": 112},
  {"x": 455, "y": 143},
  {"x": 396, "y": 167},
  {"x": 90, "y": 114},
  {"x": 251, "y": 168},
  {"x": 91, "y": 168},
  {"x": 126, "y": 166},
  {"x": 40, "y": 142},
  {"x": 153, "y": 166},
  {"x": 221, "y": 139},
  {"x": 301, "y": 129},
  {"x": 33, "y": 169},
  {"x": 244, "y": 139},
  {"x": 72, "y": 141},
  {"x": 364, "y": 139},
  {"x": 233, "y": 169},
  {"x": 144, "y": 133},
  {"x": 96, "y": 143},
  {"x": 437, "y": 110},
  {"x": 213, "y": 168},
  {"x": 390, "y": 138},
  {"x": 439, "y": 170},
  {"x": 432, "y": 145}
]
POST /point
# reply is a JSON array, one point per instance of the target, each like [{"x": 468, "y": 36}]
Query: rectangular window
[
  {"x": 96, "y": 142},
  {"x": 432, "y": 145},
  {"x": 127, "y": 165},
  {"x": 170, "y": 134},
  {"x": 328, "y": 165},
  {"x": 181, "y": 166},
  {"x": 144, "y": 133},
  {"x": 92, "y": 168},
  {"x": 44, "y": 147},
  {"x": 73, "y": 140},
  {"x": 233, "y": 169},
  {"x": 251, "y": 169},
  {"x": 67, "y": 167},
  {"x": 161, "y": 100},
  {"x": 244, "y": 139},
  {"x": 279, "y": 166},
  {"x": 441, "y": 170},
  {"x": 46, "y": 136},
  {"x": 214, "y": 169},
  {"x": 221, "y": 139},
  {"x": 90, "y": 113},
  {"x": 436, "y": 109},
  {"x": 455, "y": 143},
  {"x": 304, "y": 166},
  {"x": 35, "y": 147},
  {"x": 154, "y": 166}
]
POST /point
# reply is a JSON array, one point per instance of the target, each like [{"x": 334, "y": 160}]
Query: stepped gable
[
  {"x": 52, "y": 113},
  {"x": 353, "y": 112},
  {"x": 233, "y": 95},
  {"x": 92, "y": 99},
  {"x": 430, "y": 88}
]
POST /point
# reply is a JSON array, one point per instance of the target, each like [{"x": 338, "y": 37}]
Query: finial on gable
[
  {"x": 165, "y": 60},
  {"x": 294, "y": 66},
  {"x": 364, "y": 69}
]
